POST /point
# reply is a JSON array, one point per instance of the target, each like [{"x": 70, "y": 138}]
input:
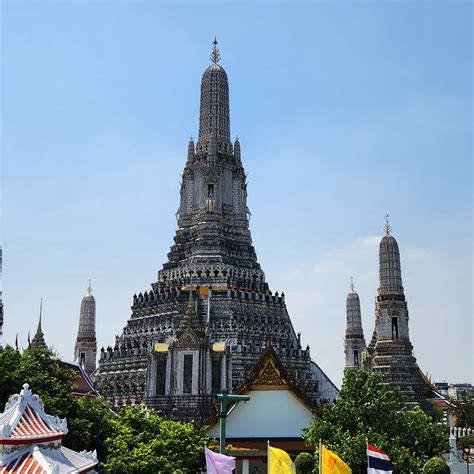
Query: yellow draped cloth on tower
[
  {"x": 279, "y": 462},
  {"x": 331, "y": 463}
]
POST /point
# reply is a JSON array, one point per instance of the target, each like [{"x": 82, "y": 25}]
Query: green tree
[
  {"x": 9, "y": 380},
  {"x": 466, "y": 442},
  {"x": 464, "y": 410},
  {"x": 88, "y": 419},
  {"x": 368, "y": 409},
  {"x": 143, "y": 442},
  {"x": 39, "y": 367},
  {"x": 304, "y": 462},
  {"x": 89, "y": 425},
  {"x": 436, "y": 465}
]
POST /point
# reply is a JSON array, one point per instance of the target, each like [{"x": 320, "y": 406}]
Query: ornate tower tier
[
  {"x": 207, "y": 319},
  {"x": 354, "y": 342}
]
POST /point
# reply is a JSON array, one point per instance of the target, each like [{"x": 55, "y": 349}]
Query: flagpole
[
  {"x": 367, "y": 452},
  {"x": 320, "y": 458},
  {"x": 268, "y": 456}
]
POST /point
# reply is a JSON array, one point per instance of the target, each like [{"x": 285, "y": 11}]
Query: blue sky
[{"x": 346, "y": 111}]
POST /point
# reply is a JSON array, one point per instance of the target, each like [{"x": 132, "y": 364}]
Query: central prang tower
[
  {"x": 208, "y": 318},
  {"x": 213, "y": 246}
]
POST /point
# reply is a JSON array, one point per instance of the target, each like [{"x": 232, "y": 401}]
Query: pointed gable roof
[
  {"x": 269, "y": 374},
  {"x": 270, "y": 387},
  {"x": 25, "y": 421}
]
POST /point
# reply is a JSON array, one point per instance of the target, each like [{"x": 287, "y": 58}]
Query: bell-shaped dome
[
  {"x": 190, "y": 150},
  {"x": 237, "y": 149},
  {"x": 87, "y": 315},
  {"x": 389, "y": 268},
  {"x": 214, "y": 110},
  {"x": 353, "y": 313}
]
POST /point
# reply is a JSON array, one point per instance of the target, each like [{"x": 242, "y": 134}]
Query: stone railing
[{"x": 459, "y": 432}]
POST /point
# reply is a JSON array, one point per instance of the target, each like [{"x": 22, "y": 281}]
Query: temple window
[
  {"x": 210, "y": 190},
  {"x": 356, "y": 357},
  {"x": 160, "y": 376},
  {"x": 394, "y": 328},
  {"x": 216, "y": 376},
  {"x": 187, "y": 373}
]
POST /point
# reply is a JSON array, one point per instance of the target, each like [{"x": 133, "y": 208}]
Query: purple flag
[{"x": 219, "y": 463}]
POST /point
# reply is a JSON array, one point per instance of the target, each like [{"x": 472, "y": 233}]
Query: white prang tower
[
  {"x": 85, "y": 351},
  {"x": 354, "y": 342}
]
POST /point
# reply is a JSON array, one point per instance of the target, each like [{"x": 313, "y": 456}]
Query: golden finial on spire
[
  {"x": 215, "y": 56},
  {"x": 387, "y": 227},
  {"x": 352, "y": 285}
]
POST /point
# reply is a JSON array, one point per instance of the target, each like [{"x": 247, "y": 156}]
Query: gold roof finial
[
  {"x": 352, "y": 285},
  {"x": 387, "y": 227},
  {"x": 215, "y": 56}
]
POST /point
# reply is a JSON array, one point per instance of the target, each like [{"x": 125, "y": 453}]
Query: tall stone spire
[
  {"x": 213, "y": 211},
  {"x": 38, "y": 339},
  {"x": 354, "y": 342},
  {"x": 85, "y": 350},
  {"x": 393, "y": 352},
  {"x": 214, "y": 110}
]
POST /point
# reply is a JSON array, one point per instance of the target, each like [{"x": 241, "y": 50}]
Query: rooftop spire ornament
[
  {"x": 387, "y": 227},
  {"x": 215, "y": 56},
  {"x": 41, "y": 314},
  {"x": 38, "y": 339},
  {"x": 352, "y": 285},
  {"x": 89, "y": 289}
]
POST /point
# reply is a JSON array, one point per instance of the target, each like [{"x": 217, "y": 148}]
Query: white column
[
  {"x": 245, "y": 466},
  {"x": 453, "y": 456}
]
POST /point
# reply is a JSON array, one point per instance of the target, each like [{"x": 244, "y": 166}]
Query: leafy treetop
[
  {"x": 436, "y": 465},
  {"x": 143, "y": 442},
  {"x": 368, "y": 409}
]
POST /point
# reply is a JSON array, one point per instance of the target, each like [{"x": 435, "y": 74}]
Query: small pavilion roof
[
  {"x": 24, "y": 420},
  {"x": 37, "y": 460},
  {"x": 30, "y": 440}
]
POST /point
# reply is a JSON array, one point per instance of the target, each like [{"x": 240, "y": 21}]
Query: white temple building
[{"x": 30, "y": 440}]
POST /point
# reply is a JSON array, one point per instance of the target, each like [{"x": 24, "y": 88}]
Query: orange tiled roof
[{"x": 25, "y": 464}]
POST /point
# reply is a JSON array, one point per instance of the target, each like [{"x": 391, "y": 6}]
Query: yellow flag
[
  {"x": 332, "y": 464},
  {"x": 278, "y": 461}
]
